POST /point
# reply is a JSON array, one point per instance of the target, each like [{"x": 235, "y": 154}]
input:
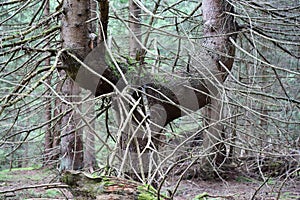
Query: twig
[
  {"x": 205, "y": 194},
  {"x": 181, "y": 177},
  {"x": 284, "y": 181},
  {"x": 259, "y": 188},
  {"x": 46, "y": 186}
]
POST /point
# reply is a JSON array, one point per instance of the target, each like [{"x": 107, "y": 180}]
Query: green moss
[
  {"x": 104, "y": 178},
  {"x": 146, "y": 196},
  {"x": 109, "y": 183},
  {"x": 146, "y": 192},
  {"x": 69, "y": 179},
  {"x": 124, "y": 65},
  {"x": 14, "y": 174},
  {"x": 19, "y": 169}
]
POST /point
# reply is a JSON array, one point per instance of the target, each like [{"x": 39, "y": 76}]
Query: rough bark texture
[
  {"x": 75, "y": 40},
  {"x": 71, "y": 138},
  {"x": 104, "y": 11},
  {"x": 74, "y": 28},
  {"x": 218, "y": 28}
]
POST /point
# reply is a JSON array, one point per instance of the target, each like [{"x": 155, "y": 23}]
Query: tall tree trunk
[
  {"x": 56, "y": 126},
  {"x": 136, "y": 30},
  {"x": 104, "y": 11},
  {"x": 48, "y": 110},
  {"x": 219, "y": 27},
  {"x": 75, "y": 40},
  {"x": 90, "y": 162},
  {"x": 71, "y": 139}
]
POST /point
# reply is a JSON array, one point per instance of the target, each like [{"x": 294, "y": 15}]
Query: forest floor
[{"x": 194, "y": 189}]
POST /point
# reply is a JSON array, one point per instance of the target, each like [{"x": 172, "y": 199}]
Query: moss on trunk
[{"x": 87, "y": 186}]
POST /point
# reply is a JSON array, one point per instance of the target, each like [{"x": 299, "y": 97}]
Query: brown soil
[{"x": 239, "y": 189}]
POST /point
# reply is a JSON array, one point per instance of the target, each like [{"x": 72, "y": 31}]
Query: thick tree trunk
[
  {"x": 71, "y": 138},
  {"x": 219, "y": 27},
  {"x": 75, "y": 40}
]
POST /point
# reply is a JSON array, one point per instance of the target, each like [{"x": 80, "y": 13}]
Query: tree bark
[
  {"x": 74, "y": 33},
  {"x": 219, "y": 27},
  {"x": 104, "y": 16},
  {"x": 71, "y": 138},
  {"x": 136, "y": 30},
  {"x": 52, "y": 129},
  {"x": 48, "y": 110}
]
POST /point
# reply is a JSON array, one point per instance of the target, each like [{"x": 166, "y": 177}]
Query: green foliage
[
  {"x": 146, "y": 192},
  {"x": 14, "y": 174},
  {"x": 146, "y": 196},
  {"x": 5, "y": 176},
  {"x": 201, "y": 196}
]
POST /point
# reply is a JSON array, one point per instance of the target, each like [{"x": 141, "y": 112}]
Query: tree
[
  {"x": 52, "y": 133},
  {"x": 75, "y": 39},
  {"x": 48, "y": 135},
  {"x": 219, "y": 32},
  {"x": 135, "y": 26}
]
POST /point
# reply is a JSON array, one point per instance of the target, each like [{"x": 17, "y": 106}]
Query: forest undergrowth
[{"x": 43, "y": 183}]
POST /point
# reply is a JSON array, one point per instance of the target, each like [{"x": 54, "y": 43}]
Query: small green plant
[
  {"x": 146, "y": 196},
  {"x": 147, "y": 192},
  {"x": 52, "y": 193}
]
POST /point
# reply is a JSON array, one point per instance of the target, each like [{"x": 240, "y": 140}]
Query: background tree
[{"x": 135, "y": 26}]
